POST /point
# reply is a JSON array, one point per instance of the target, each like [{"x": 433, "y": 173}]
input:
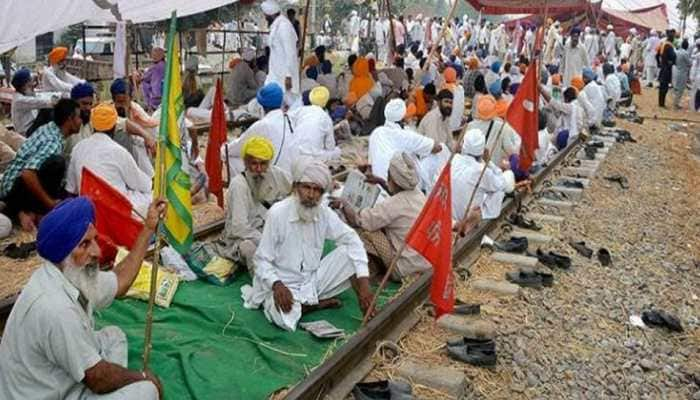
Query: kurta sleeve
[
  {"x": 377, "y": 217},
  {"x": 414, "y": 143},
  {"x": 25, "y": 103},
  {"x": 344, "y": 236},
  {"x": 52, "y": 82},
  {"x": 238, "y": 225},
  {"x": 134, "y": 178}
]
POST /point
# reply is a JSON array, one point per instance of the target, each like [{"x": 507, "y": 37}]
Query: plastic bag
[
  {"x": 204, "y": 261},
  {"x": 166, "y": 284}
]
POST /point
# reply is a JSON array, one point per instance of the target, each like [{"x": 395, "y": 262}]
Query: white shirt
[
  {"x": 391, "y": 138},
  {"x": 613, "y": 88},
  {"x": 596, "y": 96},
  {"x": 284, "y": 61},
  {"x": 290, "y": 251},
  {"x": 50, "y": 339},
  {"x": 111, "y": 162},
  {"x": 56, "y": 80},
  {"x": 24, "y": 110},
  {"x": 509, "y": 141},
  {"x": 489, "y": 196},
  {"x": 650, "y": 46},
  {"x": 313, "y": 133}
]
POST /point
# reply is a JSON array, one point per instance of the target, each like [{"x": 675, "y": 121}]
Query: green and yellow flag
[{"x": 171, "y": 181}]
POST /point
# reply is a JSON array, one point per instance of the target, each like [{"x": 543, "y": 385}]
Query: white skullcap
[
  {"x": 633, "y": 31},
  {"x": 474, "y": 143},
  {"x": 248, "y": 54},
  {"x": 395, "y": 110},
  {"x": 310, "y": 170},
  {"x": 510, "y": 181},
  {"x": 587, "y": 29},
  {"x": 270, "y": 7},
  {"x": 610, "y": 27}
]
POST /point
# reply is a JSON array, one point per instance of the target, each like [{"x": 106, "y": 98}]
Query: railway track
[{"x": 349, "y": 364}]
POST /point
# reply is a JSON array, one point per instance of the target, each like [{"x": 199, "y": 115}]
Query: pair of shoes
[
  {"x": 571, "y": 184},
  {"x": 552, "y": 259},
  {"x": 581, "y": 248},
  {"x": 514, "y": 245},
  {"x": 474, "y": 352},
  {"x": 625, "y": 136},
  {"x": 19, "y": 252},
  {"x": 604, "y": 257},
  {"x": 530, "y": 278},
  {"x": 381, "y": 390},
  {"x": 662, "y": 319},
  {"x": 520, "y": 221}
]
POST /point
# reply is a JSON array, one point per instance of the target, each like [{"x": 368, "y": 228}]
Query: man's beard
[
  {"x": 85, "y": 116},
  {"x": 255, "y": 182},
  {"x": 446, "y": 112},
  {"x": 83, "y": 278},
  {"x": 306, "y": 213}
]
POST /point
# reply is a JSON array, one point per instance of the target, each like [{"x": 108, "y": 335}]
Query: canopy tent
[
  {"x": 642, "y": 19},
  {"x": 51, "y": 15},
  {"x": 528, "y": 6}
]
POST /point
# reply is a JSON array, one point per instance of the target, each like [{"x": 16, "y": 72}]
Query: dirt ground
[{"x": 574, "y": 340}]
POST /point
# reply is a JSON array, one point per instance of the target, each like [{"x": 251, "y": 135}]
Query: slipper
[
  {"x": 514, "y": 245},
  {"x": 581, "y": 248},
  {"x": 662, "y": 319},
  {"x": 604, "y": 257}
]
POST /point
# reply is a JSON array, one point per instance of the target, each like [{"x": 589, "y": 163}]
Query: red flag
[
  {"x": 217, "y": 137},
  {"x": 431, "y": 236},
  {"x": 523, "y": 115},
  {"x": 113, "y": 220}
]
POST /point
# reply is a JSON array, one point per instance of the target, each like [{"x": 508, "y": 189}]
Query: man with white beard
[
  {"x": 293, "y": 276},
  {"x": 50, "y": 349},
  {"x": 250, "y": 194}
]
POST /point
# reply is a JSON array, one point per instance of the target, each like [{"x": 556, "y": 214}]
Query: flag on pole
[
  {"x": 217, "y": 137},
  {"x": 523, "y": 115},
  {"x": 114, "y": 222},
  {"x": 171, "y": 181},
  {"x": 431, "y": 236}
]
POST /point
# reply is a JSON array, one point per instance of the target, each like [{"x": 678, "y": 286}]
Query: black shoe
[
  {"x": 621, "y": 180},
  {"x": 514, "y": 245},
  {"x": 467, "y": 309},
  {"x": 520, "y": 221},
  {"x": 581, "y": 248},
  {"x": 552, "y": 259},
  {"x": 597, "y": 145},
  {"x": 604, "y": 257},
  {"x": 525, "y": 278},
  {"x": 663, "y": 319},
  {"x": 382, "y": 390},
  {"x": 572, "y": 184},
  {"x": 590, "y": 152},
  {"x": 477, "y": 357},
  {"x": 473, "y": 344},
  {"x": 20, "y": 252}
]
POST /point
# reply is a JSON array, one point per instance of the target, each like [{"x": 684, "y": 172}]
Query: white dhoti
[
  {"x": 113, "y": 348},
  {"x": 329, "y": 280}
]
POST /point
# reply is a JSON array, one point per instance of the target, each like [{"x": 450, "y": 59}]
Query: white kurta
[
  {"x": 613, "y": 88},
  {"x": 590, "y": 42},
  {"x": 386, "y": 140},
  {"x": 596, "y": 96},
  {"x": 276, "y": 126},
  {"x": 290, "y": 251},
  {"x": 56, "y": 80},
  {"x": 508, "y": 142},
  {"x": 610, "y": 52},
  {"x": 113, "y": 163},
  {"x": 313, "y": 133},
  {"x": 284, "y": 61},
  {"x": 489, "y": 195},
  {"x": 24, "y": 110},
  {"x": 457, "y": 108},
  {"x": 575, "y": 59}
]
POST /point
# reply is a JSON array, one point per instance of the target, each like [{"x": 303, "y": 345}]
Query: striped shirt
[{"x": 44, "y": 143}]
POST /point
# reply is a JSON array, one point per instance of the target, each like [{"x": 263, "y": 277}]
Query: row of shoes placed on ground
[
  {"x": 603, "y": 253},
  {"x": 591, "y": 149}
]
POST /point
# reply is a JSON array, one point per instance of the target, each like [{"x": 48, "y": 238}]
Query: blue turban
[
  {"x": 81, "y": 90},
  {"x": 339, "y": 113},
  {"x": 460, "y": 70},
  {"x": 480, "y": 53},
  {"x": 575, "y": 30},
  {"x": 496, "y": 88},
  {"x": 270, "y": 96},
  {"x": 21, "y": 78},
  {"x": 588, "y": 74},
  {"x": 326, "y": 67},
  {"x": 305, "y": 98},
  {"x": 426, "y": 79},
  {"x": 62, "y": 229},
  {"x": 496, "y": 67},
  {"x": 514, "y": 88},
  {"x": 552, "y": 69},
  {"x": 562, "y": 139},
  {"x": 119, "y": 86},
  {"x": 312, "y": 73}
]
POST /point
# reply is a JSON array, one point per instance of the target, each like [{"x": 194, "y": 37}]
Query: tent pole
[
  {"x": 84, "y": 53},
  {"x": 223, "y": 56}
]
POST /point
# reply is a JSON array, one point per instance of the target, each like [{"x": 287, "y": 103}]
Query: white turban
[
  {"x": 248, "y": 54},
  {"x": 402, "y": 170},
  {"x": 395, "y": 110},
  {"x": 587, "y": 29},
  {"x": 633, "y": 31},
  {"x": 270, "y": 7},
  {"x": 610, "y": 27},
  {"x": 310, "y": 170},
  {"x": 474, "y": 143}
]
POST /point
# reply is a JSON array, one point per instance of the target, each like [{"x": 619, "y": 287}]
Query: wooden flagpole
[
  {"x": 303, "y": 37},
  {"x": 437, "y": 42},
  {"x": 392, "y": 38}
]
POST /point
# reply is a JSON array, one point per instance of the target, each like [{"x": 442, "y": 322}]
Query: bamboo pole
[{"x": 436, "y": 43}]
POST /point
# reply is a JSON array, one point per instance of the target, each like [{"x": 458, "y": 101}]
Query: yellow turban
[
  {"x": 259, "y": 147},
  {"x": 103, "y": 117},
  {"x": 57, "y": 55},
  {"x": 319, "y": 96}
]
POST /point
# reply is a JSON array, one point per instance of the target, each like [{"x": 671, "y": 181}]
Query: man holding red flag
[{"x": 523, "y": 116}]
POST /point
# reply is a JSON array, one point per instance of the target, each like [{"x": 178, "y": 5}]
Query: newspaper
[{"x": 359, "y": 193}]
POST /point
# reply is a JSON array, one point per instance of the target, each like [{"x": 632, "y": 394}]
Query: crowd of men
[{"x": 282, "y": 205}]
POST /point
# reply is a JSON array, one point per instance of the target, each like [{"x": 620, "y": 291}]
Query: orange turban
[
  {"x": 410, "y": 112},
  {"x": 577, "y": 82},
  {"x": 361, "y": 82},
  {"x": 421, "y": 106},
  {"x": 502, "y": 107},
  {"x": 556, "y": 79},
  {"x": 57, "y": 55},
  {"x": 473, "y": 63},
  {"x": 234, "y": 61},
  {"x": 450, "y": 75},
  {"x": 310, "y": 61},
  {"x": 103, "y": 117},
  {"x": 486, "y": 108},
  {"x": 350, "y": 99}
]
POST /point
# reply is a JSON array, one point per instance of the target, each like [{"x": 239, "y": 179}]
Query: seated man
[
  {"x": 487, "y": 121},
  {"x": 55, "y": 78},
  {"x": 466, "y": 168},
  {"x": 33, "y": 182},
  {"x": 25, "y": 103},
  {"x": 108, "y": 160},
  {"x": 50, "y": 349},
  {"x": 313, "y": 128},
  {"x": 384, "y": 227},
  {"x": 436, "y": 124},
  {"x": 241, "y": 84},
  {"x": 250, "y": 195},
  {"x": 291, "y": 276}
]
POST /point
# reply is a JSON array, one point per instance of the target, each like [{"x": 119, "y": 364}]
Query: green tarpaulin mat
[{"x": 207, "y": 346}]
